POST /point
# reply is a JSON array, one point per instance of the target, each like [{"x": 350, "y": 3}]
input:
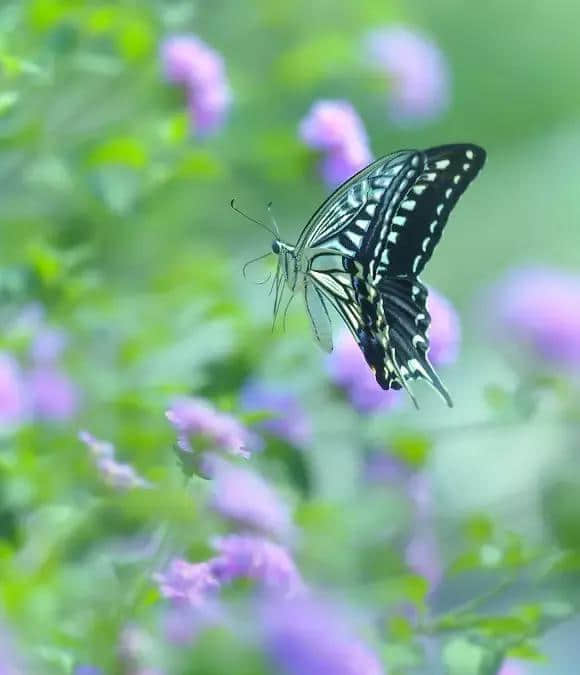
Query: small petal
[
  {"x": 187, "y": 584},
  {"x": 511, "y": 667}
]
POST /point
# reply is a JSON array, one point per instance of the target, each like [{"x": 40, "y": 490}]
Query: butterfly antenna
[
  {"x": 253, "y": 260},
  {"x": 252, "y": 220},
  {"x": 273, "y": 219}
]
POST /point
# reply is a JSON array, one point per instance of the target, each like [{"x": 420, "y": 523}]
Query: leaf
[
  {"x": 124, "y": 150},
  {"x": 463, "y": 657}
]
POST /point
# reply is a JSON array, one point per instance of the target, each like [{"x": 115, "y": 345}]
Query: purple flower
[
  {"x": 289, "y": 420},
  {"x": 251, "y": 557},
  {"x": 48, "y": 345},
  {"x": 196, "y": 417},
  {"x": 117, "y": 475},
  {"x": 349, "y": 370},
  {"x": 444, "y": 331},
  {"x": 417, "y": 69},
  {"x": 187, "y": 584},
  {"x": 540, "y": 308},
  {"x": 305, "y": 637},
  {"x": 13, "y": 400},
  {"x": 511, "y": 667},
  {"x": 190, "y": 62},
  {"x": 10, "y": 663},
  {"x": 422, "y": 555},
  {"x": 244, "y": 497},
  {"x": 87, "y": 670},
  {"x": 53, "y": 395},
  {"x": 335, "y": 128}
]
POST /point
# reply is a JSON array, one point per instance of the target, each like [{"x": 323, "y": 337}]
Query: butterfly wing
[
  {"x": 422, "y": 213},
  {"x": 342, "y": 223},
  {"x": 396, "y": 342}
]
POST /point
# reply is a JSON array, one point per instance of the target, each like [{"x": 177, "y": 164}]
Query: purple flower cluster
[
  {"x": 42, "y": 390},
  {"x": 334, "y": 128},
  {"x": 187, "y": 584},
  {"x": 243, "y": 497},
  {"x": 195, "y": 417},
  {"x": 116, "y": 474},
  {"x": 289, "y": 420},
  {"x": 194, "y": 65},
  {"x": 540, "y": 309},
  {"x": 253, "y": 557},
  {"x": 417, "y": 69},
  {"x": 349, "y": 370},
  {"x": 305, "y": 636}
]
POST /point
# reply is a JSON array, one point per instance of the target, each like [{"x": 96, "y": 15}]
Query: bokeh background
[{"x": 258, "y": 489}]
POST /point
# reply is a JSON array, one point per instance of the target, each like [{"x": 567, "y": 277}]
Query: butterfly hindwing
[{"x": 394, "y": 336}]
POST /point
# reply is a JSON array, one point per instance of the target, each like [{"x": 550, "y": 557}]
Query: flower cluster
[
  {"x": 289, "y": 421},
  {"x": 334, "y": 128},
  {"x": 349, "y": 370},
  {"x": 305, "y": 635},
  {"x": 241, "y": 496},
  {"x": 540, "y": 309},
  {"x": 41, "y": 390},
  {"x": 417, "y": 69},
  {"x": 195, "y": 417},
  {"x": 189, "y": 62},
  {"x": 116, "y": 474}
]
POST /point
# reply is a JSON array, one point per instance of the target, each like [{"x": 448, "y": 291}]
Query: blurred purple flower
[
  {"x": 289, "y": 420},
  {"x": 243, "y": 496},
  {"x": 53, "y": 394},
  {"x": 14, "y": 408},
  {"x": 182, "y": 624},
  {"x": 10, "y": 663},
  {"x": 335, "y": 128},
  {"x": 423, "y": 556},
  {"x": 511, "y": 667},
  {"x": 48, "y": 345},
  {"x": 349, "y": 370},
  {"x": 252, "y": 557},
  {"x": 540, "y": 308},
  {"x": 87, "y": 670},
  {"x": 190, "y": 62},
  {"x": 305, "y": 637},
  {"x": 187, "y": 584},
  {"x": 444, "y": 331},
  {"x": 117, "y": 475},
  {"x": 196, "y": 417},
  {"x": 418, "y": 71}
]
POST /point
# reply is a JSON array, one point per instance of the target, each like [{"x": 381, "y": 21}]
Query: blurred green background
[{"x": 115, "y": 218}]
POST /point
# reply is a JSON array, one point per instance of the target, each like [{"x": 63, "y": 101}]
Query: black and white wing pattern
[
  {"x": 394, "y": 317},
  {"x": 384, "y": 224}
]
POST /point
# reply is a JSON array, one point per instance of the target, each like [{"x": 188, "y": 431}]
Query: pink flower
[{"x": 418, "y": 71}]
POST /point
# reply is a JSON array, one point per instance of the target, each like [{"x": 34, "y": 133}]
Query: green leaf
[
  {"x": 463, "y": 657},
  {"x": 412, "y": 447},
  {"x": 124, "y": 150}
]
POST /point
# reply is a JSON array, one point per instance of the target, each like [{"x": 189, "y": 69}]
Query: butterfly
[{"x": 362, "y": 253}]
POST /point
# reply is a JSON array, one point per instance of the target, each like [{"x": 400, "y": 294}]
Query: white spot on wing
[
  {"x": 355, "y": 238},
  {"x": 392, "y": 237},
  {"x": 425, "y": 243},
  {"x": 469, "y": 154},
  {"x": 439, "y": 209},
  {"x": 399, "y": 220},
  {"x": 419, "y": 189},
  {"x": 431, "y": 176},
  {"x": 433, "y": 226},
  {"x": 442, "y": 164},
  {"x": 456, "y": 179},
  {"x": 416, "y": 263},
  {"x": 448, "y": 193},
  {"x": 466, "y": 166},
  {"x": 370, "y": 209},
  {"x": 408, "y": 204}
]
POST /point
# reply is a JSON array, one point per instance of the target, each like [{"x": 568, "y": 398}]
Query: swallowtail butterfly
[{"x": 364, "y": 249}]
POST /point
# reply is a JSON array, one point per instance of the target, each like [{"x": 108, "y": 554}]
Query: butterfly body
[{"x": 364, "y": 248}]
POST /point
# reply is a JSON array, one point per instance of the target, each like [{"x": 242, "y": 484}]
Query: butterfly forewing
[
  {"x": 422, "y": 214},
  {"x": 343, "y": 223}
]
